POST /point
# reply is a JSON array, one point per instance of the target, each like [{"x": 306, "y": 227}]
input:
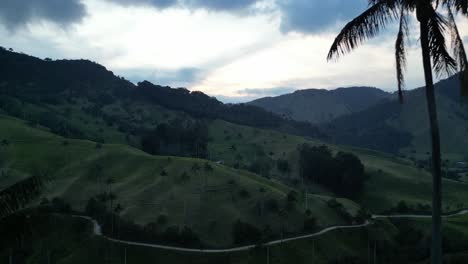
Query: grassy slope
[
  {"x": 453, "y": 127},
  {"x": 392, "y": 179},
  {"x": 143, "y": 191}
]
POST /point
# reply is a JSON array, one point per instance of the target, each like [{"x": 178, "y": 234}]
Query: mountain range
[
  {"x": 358, "y": 116},
  {"x": 372, "y": 118},
  {"x": 320, "y": 105}
]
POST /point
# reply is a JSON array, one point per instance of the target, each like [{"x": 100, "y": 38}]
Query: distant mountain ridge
[
  {"x": 404, "y": 128},
  {"x": 321, "y": 106},
  {"x": 47, "y": 81},
  {"x": 371, "y": 118}
]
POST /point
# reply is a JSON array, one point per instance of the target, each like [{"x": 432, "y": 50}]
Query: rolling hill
[
  {"x": 404, "y": 129},
  {"x": 209, "y": 199},
  {"x": 88, "y": 126},
  {"x": 321, "y": 106},
  {"x": 35, "y": 81},
  {"x": 370, "y": 118}
]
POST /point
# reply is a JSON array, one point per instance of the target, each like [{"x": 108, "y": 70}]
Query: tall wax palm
[{"x": 434, "y": 27}]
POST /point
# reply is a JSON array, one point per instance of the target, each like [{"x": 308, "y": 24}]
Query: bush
[
  {"x": 184, "y": 177},
  {"x": 245, "y": 233},
  {"x": 283, "y": 165},
  {"x": 272, "y": 205},
  {"x": 292, "y": 197},
  {"x": 402, "y": 207},
  {"x": 59, "y": 205},
  {"x": 162, "y": 219},
  {"x": 310, "y": 225},
  {"x": 333, "y": 203},
  {"x": 244, "y": 194},
  {"x": 207, "y": 167}
]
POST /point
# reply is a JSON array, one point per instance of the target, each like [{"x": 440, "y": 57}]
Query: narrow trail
[{"x": 98, "y": 232}]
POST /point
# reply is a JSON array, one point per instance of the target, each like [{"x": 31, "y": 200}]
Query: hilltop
[{"x": 321, "y": 106}]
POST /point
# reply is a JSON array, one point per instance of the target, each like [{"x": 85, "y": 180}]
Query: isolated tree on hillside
[{"x": 433, "y": 29}]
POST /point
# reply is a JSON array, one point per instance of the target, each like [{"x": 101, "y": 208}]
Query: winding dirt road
[{"x": 98, "y": 232}]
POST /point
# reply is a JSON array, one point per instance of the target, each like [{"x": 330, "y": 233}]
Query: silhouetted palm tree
[{"x": 433, "y": 28}]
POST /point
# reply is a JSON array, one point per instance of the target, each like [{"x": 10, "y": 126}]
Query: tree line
[{"x": 342, "y": 173}]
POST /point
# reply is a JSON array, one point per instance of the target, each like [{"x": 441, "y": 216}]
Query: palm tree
[
  {"x": 433, "y": 29},
  {"x": 19, "y": 195},
  {"x": 12, "y": 200}
]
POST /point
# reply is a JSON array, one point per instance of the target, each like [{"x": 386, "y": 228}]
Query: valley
[{"x": 154, "y": 165}]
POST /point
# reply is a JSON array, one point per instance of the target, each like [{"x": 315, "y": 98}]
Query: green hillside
[
  {"x": 209, "y": 198},
  {"x": 242, "y": 146}
]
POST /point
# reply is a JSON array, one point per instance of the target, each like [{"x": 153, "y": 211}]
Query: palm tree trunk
[{"x": 436, "y": 249}]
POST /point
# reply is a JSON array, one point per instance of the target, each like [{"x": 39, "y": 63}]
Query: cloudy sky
[{"x": 233, "y": 49}]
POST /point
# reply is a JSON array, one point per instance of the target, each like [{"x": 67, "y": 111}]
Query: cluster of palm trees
[{"x": 436, "y": 21}]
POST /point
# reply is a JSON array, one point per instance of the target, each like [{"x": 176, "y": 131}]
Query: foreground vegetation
[
  {"x": 161, "y": 190},
  {"x": 69, "y": 240}
]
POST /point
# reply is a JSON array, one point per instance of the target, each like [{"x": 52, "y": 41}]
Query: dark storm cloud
[
  {"x": 16, "y": 13},
  {"x": 215, "y": 5},
  {"x": 220, "y": 5},
  {"x": 155, "y": 3},
  {"x": 310, "y": 16}
]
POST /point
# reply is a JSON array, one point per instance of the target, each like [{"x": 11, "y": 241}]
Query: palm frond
[
  {"x": 400, "y": 52},
  {"x": 443, "y": 62},
  {"x": 364, "y": 27},
  {"x": 459, "y": 52},
  {"x": 460, "y": 6},
  {"x": 19, "y": 195}
]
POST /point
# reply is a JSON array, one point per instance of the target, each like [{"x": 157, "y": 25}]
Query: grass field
[
  {"x": 392, "y": 179},
  {"x": 208, "y": 200}
]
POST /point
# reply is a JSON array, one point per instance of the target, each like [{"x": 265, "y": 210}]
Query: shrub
[
  {"x": 333, "y": 203},
  {"x": 292, "y": 197},
  {"x": 402, "y": 207},
  {"x": 310, "y": 224},
  {"x": 59, "y": 205},
  {"x": 272, "y": 205},
  {"x": 245, "y": 233},
  {"x": 207, "y": 167},
  {"x": 244, "y": 194},
  {"x": 162, "y": 219}
]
